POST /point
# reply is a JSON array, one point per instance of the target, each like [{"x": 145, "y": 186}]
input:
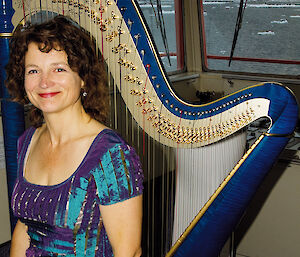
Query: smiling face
[{"x": 51, "y": 85}]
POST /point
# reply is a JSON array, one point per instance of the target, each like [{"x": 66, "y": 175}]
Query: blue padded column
[{"x": 12, "y": 113}]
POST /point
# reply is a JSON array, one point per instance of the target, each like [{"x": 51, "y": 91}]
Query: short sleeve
[{"x": 119, "y": 175}]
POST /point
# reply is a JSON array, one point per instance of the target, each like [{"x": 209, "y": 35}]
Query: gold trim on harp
[
  {"x": 6, "y": 34},
  {"x": 212, "y": 198},
  {"x": 279, "y": 135}
]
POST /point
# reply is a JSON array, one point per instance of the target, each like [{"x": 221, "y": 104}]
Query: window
[
  {"x": 168, "y": 22},
  {"x": 268, "y": 41}
]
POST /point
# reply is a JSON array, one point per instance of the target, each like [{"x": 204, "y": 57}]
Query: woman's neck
[{"x": 64, "y": 126}]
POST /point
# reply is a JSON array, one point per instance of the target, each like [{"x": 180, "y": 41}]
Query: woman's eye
[
  {"x": 32, "y": 71},
  {"x": 60, "y": 69}
]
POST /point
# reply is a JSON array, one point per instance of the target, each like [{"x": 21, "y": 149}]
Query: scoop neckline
[{"x": 26, "y": 144}]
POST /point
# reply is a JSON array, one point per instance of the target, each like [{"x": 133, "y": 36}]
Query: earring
[{"x": 84, "y": 94}]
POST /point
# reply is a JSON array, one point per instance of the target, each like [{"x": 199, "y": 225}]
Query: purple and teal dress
[{"x": 65, "y": 219}]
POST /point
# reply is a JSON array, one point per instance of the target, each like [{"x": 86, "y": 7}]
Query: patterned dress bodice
[{"x": 65, "y": 219}]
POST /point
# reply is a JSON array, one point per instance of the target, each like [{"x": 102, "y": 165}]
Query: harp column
[{"x": 12, "y": 113}]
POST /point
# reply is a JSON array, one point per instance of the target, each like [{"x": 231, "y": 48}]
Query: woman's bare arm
[
  {"x": 123, "y": 224},
  {"x": 20, "y": 240}
]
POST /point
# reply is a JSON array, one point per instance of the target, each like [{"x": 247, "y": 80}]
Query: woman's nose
[{"x": 46, "y": 81}]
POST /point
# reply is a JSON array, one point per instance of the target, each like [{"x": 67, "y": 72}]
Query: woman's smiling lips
[{"x": 48, "y": 95}]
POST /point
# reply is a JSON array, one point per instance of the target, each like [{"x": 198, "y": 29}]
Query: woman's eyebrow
[
  {"x": 52, "y": 64},
  {"x": 59, "y": 63},
  {"x": 30, "y": 65}
]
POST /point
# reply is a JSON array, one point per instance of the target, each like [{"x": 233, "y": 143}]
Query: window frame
[
  {"x": 179, "y": 37},
  {"x": 206, "y": 57}
]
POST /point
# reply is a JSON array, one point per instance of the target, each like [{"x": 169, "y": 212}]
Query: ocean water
[
  {"x": 269, "y": 30},
  {"x": 168, "y": 22}
]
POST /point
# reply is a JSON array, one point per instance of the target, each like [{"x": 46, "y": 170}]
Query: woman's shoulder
[
  {"x": 25, "y": 137},
  {"x": 109, "y": 147},
  {"x": 104, "y": 137},
  {"x": 110, "y": 137},
  {"x": 108, "y": 140},
  {"x": 27, "y": 132}
]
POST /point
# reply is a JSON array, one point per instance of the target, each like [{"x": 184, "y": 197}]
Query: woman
[{"x": 79, "y": 185}]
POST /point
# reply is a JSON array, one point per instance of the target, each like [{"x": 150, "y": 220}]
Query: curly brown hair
[{"x": 59, "y": 33}]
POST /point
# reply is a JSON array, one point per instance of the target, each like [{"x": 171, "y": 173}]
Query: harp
[{"x": 163, "y": 127}]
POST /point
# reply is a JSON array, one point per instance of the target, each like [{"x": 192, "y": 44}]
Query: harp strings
[{"x": 200, "y": 171}]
